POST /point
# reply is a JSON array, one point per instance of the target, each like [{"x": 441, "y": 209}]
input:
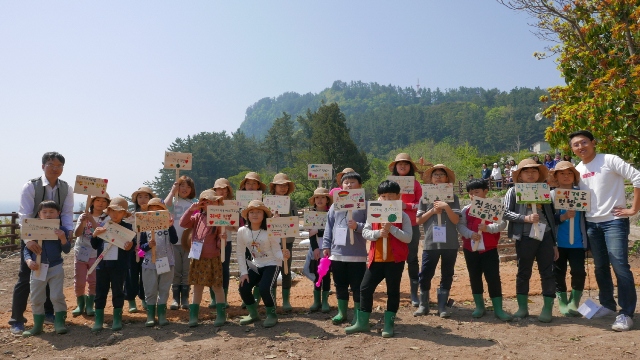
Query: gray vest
[{"x": 58, "y": 197}]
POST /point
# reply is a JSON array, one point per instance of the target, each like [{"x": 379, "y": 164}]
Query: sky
[{"x": 110, "y": 85}]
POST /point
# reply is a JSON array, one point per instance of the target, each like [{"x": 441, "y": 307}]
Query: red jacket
[
  {"x": 399, "y": 249},
  {"x": 490, "y": 240}
]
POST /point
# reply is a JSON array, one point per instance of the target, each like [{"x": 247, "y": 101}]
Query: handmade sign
[
  {"x": 406, "y": 183},
  {"x": 116, "y": 234},
  {"x": 319, "y": 172},
  {"x": 486, "y": 209},
  {"x": 39, "y": 229},
  {"x": 178, "y": 161},
  {"x": 569, "y": 199},
  {"x": 437, "y": 192},
  {"x": 349, "y": 200},
  {"x": 90, "y": 186},
  {"x": 277, "y": 203},
  {"x": 315, "y": 220},
  {"x": 533, "y": 193},
  {"x": 382, "y": 212},
  {"x": 224, "y": 215},
  {"x": 244, "y": 197},
  {"x": 283, "y": 227},
  {"x": 152, "y": 220}
]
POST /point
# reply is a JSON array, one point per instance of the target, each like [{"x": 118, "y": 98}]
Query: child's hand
[
  {"x": 352, "y": 224},
  {"x": 326, "y": 252},
  {"x": 83, "y": 217},
  {"x": 244, "y": 278},
  {"x": 61, "y": 235},
  {"x": 152, "y": 243},
  {"x": 286, "y": 254},
  {"x": 317, "y": 254},
  {"x": 570, "y": 214},
  {"x": 532, "y": 218},
  {"x": 128, "y": 245},
  {"x": 476, "y": 237},
  {"x": 313, "y": 232},
  {"x": 440, "y": 206},
  {"x": 482, "y": 227},
  {"x": 34, "y": 247},
  {"x": 223, "y": 236},
  {"x": 32, "y": 265},
  {"x": 99, "y": 231},
  {"x": 174, "y": 188}
]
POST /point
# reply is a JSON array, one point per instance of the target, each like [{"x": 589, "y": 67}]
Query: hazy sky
[{"x": 111, "y": 84}]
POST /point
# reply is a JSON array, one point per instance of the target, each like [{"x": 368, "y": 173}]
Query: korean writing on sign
[
  {"x": 152, "y": 220},
  {"x": 116, "y": 234},
  {"x": 277, "y": 203},
  {"x": 282, "y": 227},
  {"x": 487, "y": 209},
  {"x": 40, "y": 229},
  {"x": 568, "y": 199},
  {"x": 315, "y": 220},
  {"x": 437, "y": 192},
  {"x": 319, "y": 171},
  {"x": 244, "y": 197},
  {"x": 225, "y": 215},
  {"x": 405, "y": 182},
  {"x": 384, "y": 211},
  {"x": 91, "y": 186},
  {"x": 349, "y": 200},
  {"x": 532, "y": 193},
  {"x": 176, "y": 160}
]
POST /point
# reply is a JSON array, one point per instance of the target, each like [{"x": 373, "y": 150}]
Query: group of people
[
  {"x": 504, "y": 177},
  {"x": 194, "y": 255}
]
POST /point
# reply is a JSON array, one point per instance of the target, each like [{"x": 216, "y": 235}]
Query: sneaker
[
  {"x": 622, "y": 323},
  {"x": 603, "y": 311},
  {"x": 17, "y": 328},
  {"x": 49, "y": 319}
]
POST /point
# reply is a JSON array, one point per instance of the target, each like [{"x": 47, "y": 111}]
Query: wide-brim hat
[
  {"x": 118, "y": 204},
  {"x": 157, "y": 202},
  {"x": 224, "y": 183},
  {"x": 563, "y": 165},
  {"x": 143, "y": 189},
  {"x": 426, "y": 176},
  {"x": 209, "y": 195},
  {"x": 530, "y": 163},
  {"x": 256, "y": 204},
  {"x": 105, "y": 195},
  {"x": 318, "y": 193},
  {"x": 281, "y": 179},
  {"x": 403, "y": 157},
  {"x": 253, "y": 176},
  {"x": 341, "y": 174}
]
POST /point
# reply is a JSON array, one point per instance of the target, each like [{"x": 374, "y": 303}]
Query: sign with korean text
[
  {"x": 406, "y": 183},
  {"x": 569, "y": 199},
  {"x": 282, "y": 227},
  {"x": 40, "y": 229},
  {"x": 116, "y": 234},
  {"x": 319, "y": 171},
  {"x": 244, "y": 197},
  {"x": 384, "y": 211},
  {"x": 277, "y": 203},
  {"x": 437, "y": 192},
  {"x": 315, "y": 220},
  {"x": 152, "y": 220},
  {"x": 225, "y": 215},
  {"x": 486, "y": 209},
  {"x": 90, "y": 186},
  {"x": 532, "y": 193},
  {"x": 176, "y": 160},
  {"x": 349, "y": 200}
]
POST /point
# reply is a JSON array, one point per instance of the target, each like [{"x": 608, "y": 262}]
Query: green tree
[{"x": 279, "y": 143}]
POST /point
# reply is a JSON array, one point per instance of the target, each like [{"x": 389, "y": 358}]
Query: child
[
  {"x": 544, "y": 252},
  {"x": 51, "y": 254},
  {"x": 207, "y": 269},
  {"x": 320, "y": 201},
  {"x": 404, "y": 166},
  {"x": 183, "y": 190},
  {"x": 223, "y": 188},
  {"x": 111, "y": 273},
  {"x": 156, "y": 286},
  {"x": 268, "y": 256},
  {"x": 398, "y": 236},
  {"x": 485, "y": 261},
  {"x": 339, "y": 180},
  {"x": 281, "y": 185},
  {"x": 565, "y": 176},
  {"x": 444, "y": 248},
  {"x": 85, "y": 255},
  {"x": 348, "y": 262}
]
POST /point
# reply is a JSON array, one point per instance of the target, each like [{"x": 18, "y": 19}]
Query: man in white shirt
[{"x": 608, "y": 223}]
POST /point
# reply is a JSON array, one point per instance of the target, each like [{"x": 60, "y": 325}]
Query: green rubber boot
[
  {"x": 498, "y": 311},
  {"x": 221, "y": 315},
  {"x": 80, "y": 300},
  {"x": 443, "y": 298},
  {"x": 547, "y": 308},
  {"x": 117, "y": 320},
  {"x": 316, "y": 301},
  {"x": 38, "y": 321},
  {"x": 342, "y": 312},
  {"x": 58, "y": 324},
  {"x": 212, "y": 304},
  {"x": 562, "y": 303},
  {"x": 523, "y": 306},
  {"x": 133, "y": 307},
  {"x": 361, "y": 325},
  {"x": 151, "y": 316},
  {"x": 479, "y": 311},
  {"x": 574, "y": 302},
  {"x": 253, "y": 315},
  {"x": 194, "y": 309},
  {"x": 144, "y": 305},
  {"x": 325, "y": 302},
  {"x": 356, "y": 310},
  {"x": 162, "y": 315},
  {"x": 272, "y": 318},
  {"x": 256, "y": 295},
  {"x": 286, "y": 305},
  {"x": 88, "y": 302},
  {"x": 226, "y": 303},
  {"x": 389, "y": 319},
  {"x": 98, "y": 323}
]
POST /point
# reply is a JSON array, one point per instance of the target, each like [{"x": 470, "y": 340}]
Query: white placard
[
  {"x": 349, "y": 200},
  {"x": 315, "y": 220},
  {"x": 177, "y": 160},
  {"x": 90, "y": 186},
  {"x": 39, "y": 229},
  {"x": 487, "y": 209},
  {"x": 282, "y": 227},
  {"x": 384, "y": 211},
  {"x": 152, "y": 220},
  {"x": 437, "y": 192},
  {"x": 117, "y": 235},
  {"x": 532, "y": 193},
  {"x": 277, "y": 203},
  {"x": 244, "y": 197},
  {"x": 406, "y": 183},
  {"x": 569, "y": 199},
  {"x": 319, "y": 171},
  {"x": 224, "y": 215}
]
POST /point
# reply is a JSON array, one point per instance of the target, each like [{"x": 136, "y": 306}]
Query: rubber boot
[
  {"x": 423, "y": 309},
  {"x": 256, "y": 295},
  {"x": 342, "y": 312},
  {"x": 175, "y": 305},
  {"x": 221, "y": 315},
  {"x": 133, "y": 307},
  {"x": 479, "y": 311},
  {"x": 212, "y": 304},
  {"x": 443, "y": 297},
  {"x": 117, "y": 320},
  {"x": 523, "y": 306},
  {"x": 356, "y": 310},
  {"x": 498, "y": 311},
  {"x": 325, "y": 302},
  {"x": 98, "y": 323},
  {"x": 144, "y": 305},
  {"x": 226, "y": 303},
  {"x": 574, "y": 302},
  {"x": 88, "y": 302},
  {"x": 415, "y": 300},
  {"x": 253, "y": 315},
  {"x": 162, "y": 315},
  {"x": 58, "y": 325},
  {"x": 38, "y": 321},
  {"x": 272, "y": 318},
  {"x": 80, "y": 300},
  {"x": 389, "y": 319},
  {"x": 151, "y": 316},
  {"x": 547, "y": 308},
  {"x": 194, "y": 309},
  {"x": 562, "y": 303},
  {"x": 361, "y": 325},
  {"x": 286, "y": 305},
  {"x": 184, "y": 296},
  {"x": 316, "y": 301}
]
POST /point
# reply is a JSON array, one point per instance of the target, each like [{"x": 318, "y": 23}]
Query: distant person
[
  {"x": 536, "y": 159},
  {"x": 548, "y": 162},
  {"x": 485, "y": 172},
  {"x": 557, "y": 159},
  {"x": 568, "y": 158},
  {"x": 496, "y": 175},
  {"x": 513, "y": 164}
]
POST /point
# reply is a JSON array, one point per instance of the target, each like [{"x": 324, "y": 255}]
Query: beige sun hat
[
  {"x": 563, "y": 165},
  {"x": 256, "y": 204},
  {"x": 142, "y": 189},
  {"x": 530, "y": 163},
  {"x": 105, "y": 195},
  {"x": 118, "y": 203},
  {"x": 224, "y": 183},
  {"x": 209, "y": 195},
  {"x": 157, "y": 202},
  {"x": 426, "y": 176},
  {"x": 281, "y": 179},
  {"x": 341, "y": 174},
  {"x": 253, "y": 176},
  {"x": 319, "y": 192},
  {"x": 403, "y": 157}
]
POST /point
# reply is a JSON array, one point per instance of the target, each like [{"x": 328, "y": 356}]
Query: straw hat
[
  {"x": 118, "y": 203},
  {"x": 318, "y": 193},
  {"x": 340, "y": 174},
  {"x": 224, "y": 183},
  {"x": 281, "y": 179},
  {"x": 105, "y": 195},
  {"x": 209, "y": 195},
  {"x": 253, "y": 176},
  {"x": 530, "y": 163},
  {"x": 403, "y": 157},
  {"x": 256, "y": 204},
  {"x": 142, "y": 189},
  {"x": 157, "y": 202},
  {"x": 563, "y": 165},
  {"x": 426, "y": 176}
]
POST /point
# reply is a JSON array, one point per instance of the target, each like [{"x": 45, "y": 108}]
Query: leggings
[{"x": 265, "y": 279}]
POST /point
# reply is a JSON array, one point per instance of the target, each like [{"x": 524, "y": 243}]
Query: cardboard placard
[
  {"x": 39, "y": 229},
  {"x": 349, "y": 200},
  {"x": 117, "y": 234},
  {"x": 176, "y": 160},
  {"x": 319, "y": 171},
  {"x": 569, "y": 199},
  {"x": 244, "y": 197},
  {"x": 532, "y": 193},
  {"x": 437, "y": 192},
  {"x": 486, "y": 209},
  {"x": 90, "y": 186},
  {"x": 222, "y": 215},
  {"x": 315, "y": 220},
  {"x": 282, "y": 227},
  {"x": 384, "y": 211},
  {"x": 277, "y": 203},
  {"x": 152, "y": 220},
  {"x": 406, "y": 183}
]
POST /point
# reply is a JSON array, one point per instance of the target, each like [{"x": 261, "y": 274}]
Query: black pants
[
  {"x": 325, "y": 285},
  {"x": 266, "y": 279},
  {"x": 225, "y": 266},
  {"x": 487, "y": 263},
  {"x": 391, "y": 272},
  {"x": 133, "y": 281},
  {"x": 286, "y": 278},
  {"x": 430, "y": 260},
  {"x": 575, "y": 257},
  {"x": 345, "y": 275},
  {"x": 412, "y": 259},
  {"x": 21, "y": 292},
  {"x": 113, "y": 278},
  {"x": 528, "y": 250}
]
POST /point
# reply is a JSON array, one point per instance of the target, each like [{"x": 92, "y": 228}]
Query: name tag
[
  {"x": 439, "y": 234},
  {"x": 340, "y": 237},
  {"x": 162, "y": 265},
  {"x": 112, "y": 253},
  {"x": 196, "y": 250},
  {"x": 42, "y": 274},
  {"x": 541, "y": 227},
  {"x": 480, "y": 245},
  {"x": 82, "y": 254}
]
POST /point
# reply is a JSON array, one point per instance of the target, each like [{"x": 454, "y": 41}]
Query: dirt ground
[{"x": 304, "y": 335}]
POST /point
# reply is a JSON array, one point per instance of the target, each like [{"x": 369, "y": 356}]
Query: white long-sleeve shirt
[
  {"x": 264, "y": 250},
  {"x": 403, "y": 234},
  {"x": 27, "y": 200}
]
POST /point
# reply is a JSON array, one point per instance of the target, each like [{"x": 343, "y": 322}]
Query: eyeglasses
[
  {"x": 578, "y": 144},
  {"x": 54, "y": 167},
  {"x": 438, "y": 175}
]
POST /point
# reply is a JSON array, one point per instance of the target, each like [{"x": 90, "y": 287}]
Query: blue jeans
[{"x": 609, "y": 242}]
